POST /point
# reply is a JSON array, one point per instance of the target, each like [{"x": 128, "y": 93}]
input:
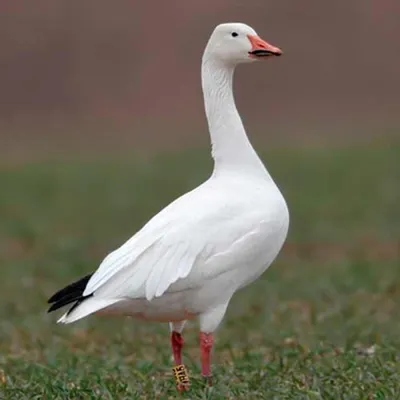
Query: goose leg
[
  {"x": 180, "y": 372},
  {"x": 209, "y": 322},
  {"x": 206, "y": 344},
  {"x": 177, "y": 344}
]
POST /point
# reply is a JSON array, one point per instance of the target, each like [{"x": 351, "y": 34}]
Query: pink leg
[
  {"x": 180, "y": 370},
  {"x": 206, "y": 344},
  {"x": 177, "y": 344}
]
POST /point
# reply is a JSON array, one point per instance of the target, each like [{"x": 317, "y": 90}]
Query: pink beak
[{"x": 261, "y": 48}]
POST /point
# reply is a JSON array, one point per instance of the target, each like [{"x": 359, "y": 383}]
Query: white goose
[{"x": 190, "y": 258}]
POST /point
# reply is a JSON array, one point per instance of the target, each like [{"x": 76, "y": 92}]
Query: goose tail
[{"x": 82, "y": 306}]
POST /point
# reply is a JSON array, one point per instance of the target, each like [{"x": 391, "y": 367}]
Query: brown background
[{"x": 127, "y": 72}]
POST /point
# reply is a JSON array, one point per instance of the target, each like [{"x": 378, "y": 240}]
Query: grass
[{"x": 322, "y": 323}]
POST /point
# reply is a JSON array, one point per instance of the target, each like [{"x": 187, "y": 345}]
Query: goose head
[{"x": 236, "y": 43}]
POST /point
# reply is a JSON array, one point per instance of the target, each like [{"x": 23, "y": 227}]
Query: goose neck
[{"x": 231, "y": 148}]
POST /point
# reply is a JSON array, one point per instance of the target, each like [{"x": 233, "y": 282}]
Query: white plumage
[{"x": 190, "y": 259}]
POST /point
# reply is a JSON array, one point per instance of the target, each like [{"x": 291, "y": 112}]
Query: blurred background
[
  {"x": 127, "y": 72},
  {"x": 102, "y": 125}
]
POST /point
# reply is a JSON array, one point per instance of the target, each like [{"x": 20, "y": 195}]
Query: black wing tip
[
  {"x": 75, "y": 287},
  {"x": 53, "y": 307},
  {"x": 69, "y": 294},
  {"x": 61, "y": 304},
  {"x": 52, "y": 299}
]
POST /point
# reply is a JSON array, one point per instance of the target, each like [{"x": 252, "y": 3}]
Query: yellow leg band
[{"x": 181, "y": 375}]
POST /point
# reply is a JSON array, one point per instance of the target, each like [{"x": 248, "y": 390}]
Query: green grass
[{"x": 322, "y": 323}]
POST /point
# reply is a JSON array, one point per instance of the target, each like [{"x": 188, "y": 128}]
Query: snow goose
[{"x": 191, "y": 257}]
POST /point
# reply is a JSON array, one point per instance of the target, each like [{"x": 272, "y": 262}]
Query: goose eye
[{"x": 234, "y": 34}]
